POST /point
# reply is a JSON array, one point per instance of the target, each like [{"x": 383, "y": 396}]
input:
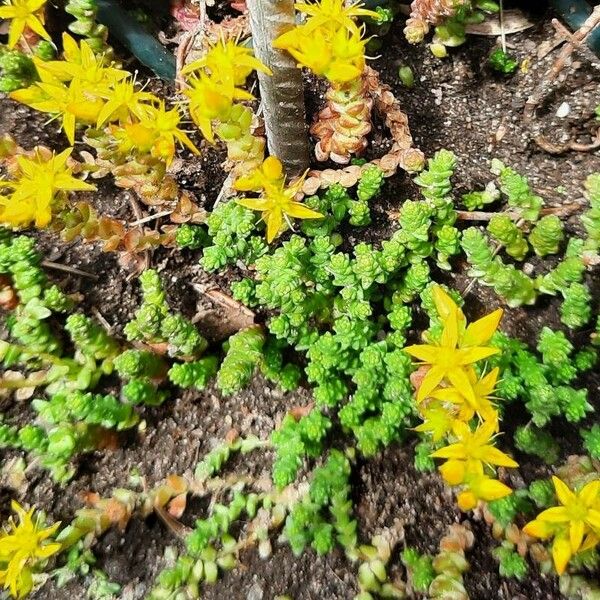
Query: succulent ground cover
[{"x": 223, "y": 375}]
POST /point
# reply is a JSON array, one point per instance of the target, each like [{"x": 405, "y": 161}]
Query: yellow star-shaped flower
[
  {"x": 575, "y": 524},
  {"x": 470, "y": 452},
  {"x": 277, "y": 202},
  {"x": 23, "y": 545},
  {"x": 459, "y": 346},
  {"x": 22, "y": 14}
]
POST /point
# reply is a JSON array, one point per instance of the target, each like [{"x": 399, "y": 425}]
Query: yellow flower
[
  {"x": 459, "y": 346},
  {"x": 72, "y": 103},
  {"x": 22, "y": 546},
  {"x": 79, "y": 62},
  {"x": 24, "y": 13},
  {"x": 165, "y": 123},
  {"x": 334, "y": 13},
  {"x": 339, "y": 56},
  {"x": 277, "y": 200},
  {"x": 438, "y": 422},
  {"x": 482, "y": 390},
  {"x": 578, "y": 516},
  {"x": 481, "y": 487},
  {"x": 122, "y": 101},
  {"x": 471, "y": 451},
  {"x": 229, "y": 62},
  {"x": 155, "y": 133},
  {"x": 39, "y": 182},
  {"x": 269, "y": 175},
  {"x": 210, "y": 99}
]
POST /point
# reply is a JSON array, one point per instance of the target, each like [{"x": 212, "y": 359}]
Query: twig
[
  {"x": 102, "y": 320},
  {"x": 477, "y": 215},
  {"x": 224, "y": 300},
  {"x": 137, "y": 211},
  {"x": 502, "y": 31},
  {"x": 224, "y": 191},
  {"x": 164, "y": 213},
  {"x": 67, "y": 269}
]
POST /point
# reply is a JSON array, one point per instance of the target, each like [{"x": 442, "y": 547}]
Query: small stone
[
  {"x": 563, "y": 110},
  {"x": 255, "y": 592}
]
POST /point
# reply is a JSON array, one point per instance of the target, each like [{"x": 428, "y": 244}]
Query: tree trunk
[{"x": 282, "y": 93}]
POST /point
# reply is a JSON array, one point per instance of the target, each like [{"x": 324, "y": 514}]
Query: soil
[{"x": 458, "y": 104}]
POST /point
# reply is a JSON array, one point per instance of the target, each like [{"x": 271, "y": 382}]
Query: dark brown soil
[{"x": 459, "y": 104}]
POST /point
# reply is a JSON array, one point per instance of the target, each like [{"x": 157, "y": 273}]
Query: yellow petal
[
  {"x": 589, "y": 493},
  {"x": 299, "y": 211},
  {"x": 431, "y": 380},
  {"x": 17, "y": 26},
  {"x": 561, "y": 554},
  {"x": 490, "y": 489},
  {"x": 274, "y": 224},
  {"x": 7, "y": 12},
  {"x": 564, "y": 494},
  {"x": 456, "y": 451},
  {"x": 576, "y": 531},
  {"x": 443, "y": 302},
  {"x": 591, "y": 541},
  {"x": 449, "y": 337},
  {"x": 424, "y": 352},
  {"x": 487, "y": 383},
  {"x": 453, "y": 472},
  {"x": 466, "y": 501},
  {"x": 538, "y": 529},
  {"x": 556, "y": 514},
  {"x": 468, "y": 356},
  {"x": 35, "y": 25},
  {"x": 593, "y": 518},
  {"x": 272, "y": 168},
  {"x": 497, "y": 457},
  {"x": 459, "y": 379},
  {"x": 479, "y": 332},
  {"x": 47, "y": 550},
  {"x": 254, "y": 203}
]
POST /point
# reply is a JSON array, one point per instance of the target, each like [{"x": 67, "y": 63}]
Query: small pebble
[
  {"x": 255, "y": 592},
  {"x": 563, "y": 110}
]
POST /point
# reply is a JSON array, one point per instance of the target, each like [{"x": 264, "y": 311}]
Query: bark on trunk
[{"x": 282, "y": 94}]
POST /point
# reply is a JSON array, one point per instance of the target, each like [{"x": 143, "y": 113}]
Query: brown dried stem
[{"x": 402, "y": 154}]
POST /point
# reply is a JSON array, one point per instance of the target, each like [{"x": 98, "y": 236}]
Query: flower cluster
[
  {"x": 574, "y": 524},
  {"x": 214, "y": 90},
  {"x": 37, "y": 186},
  {"x": 330, "y": 43},
  {"x": 450, "y": 393},
  {"x": 81, "y": 89}
]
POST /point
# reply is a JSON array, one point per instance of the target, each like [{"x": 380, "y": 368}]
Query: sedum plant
[
  {"x": 22, "y": 15},
  {"x": 214, "y": 90},
  {"x": 277, "y": 202},
  {"x": 155, "y": 324},
  {"x": 38, "y": 186}
]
